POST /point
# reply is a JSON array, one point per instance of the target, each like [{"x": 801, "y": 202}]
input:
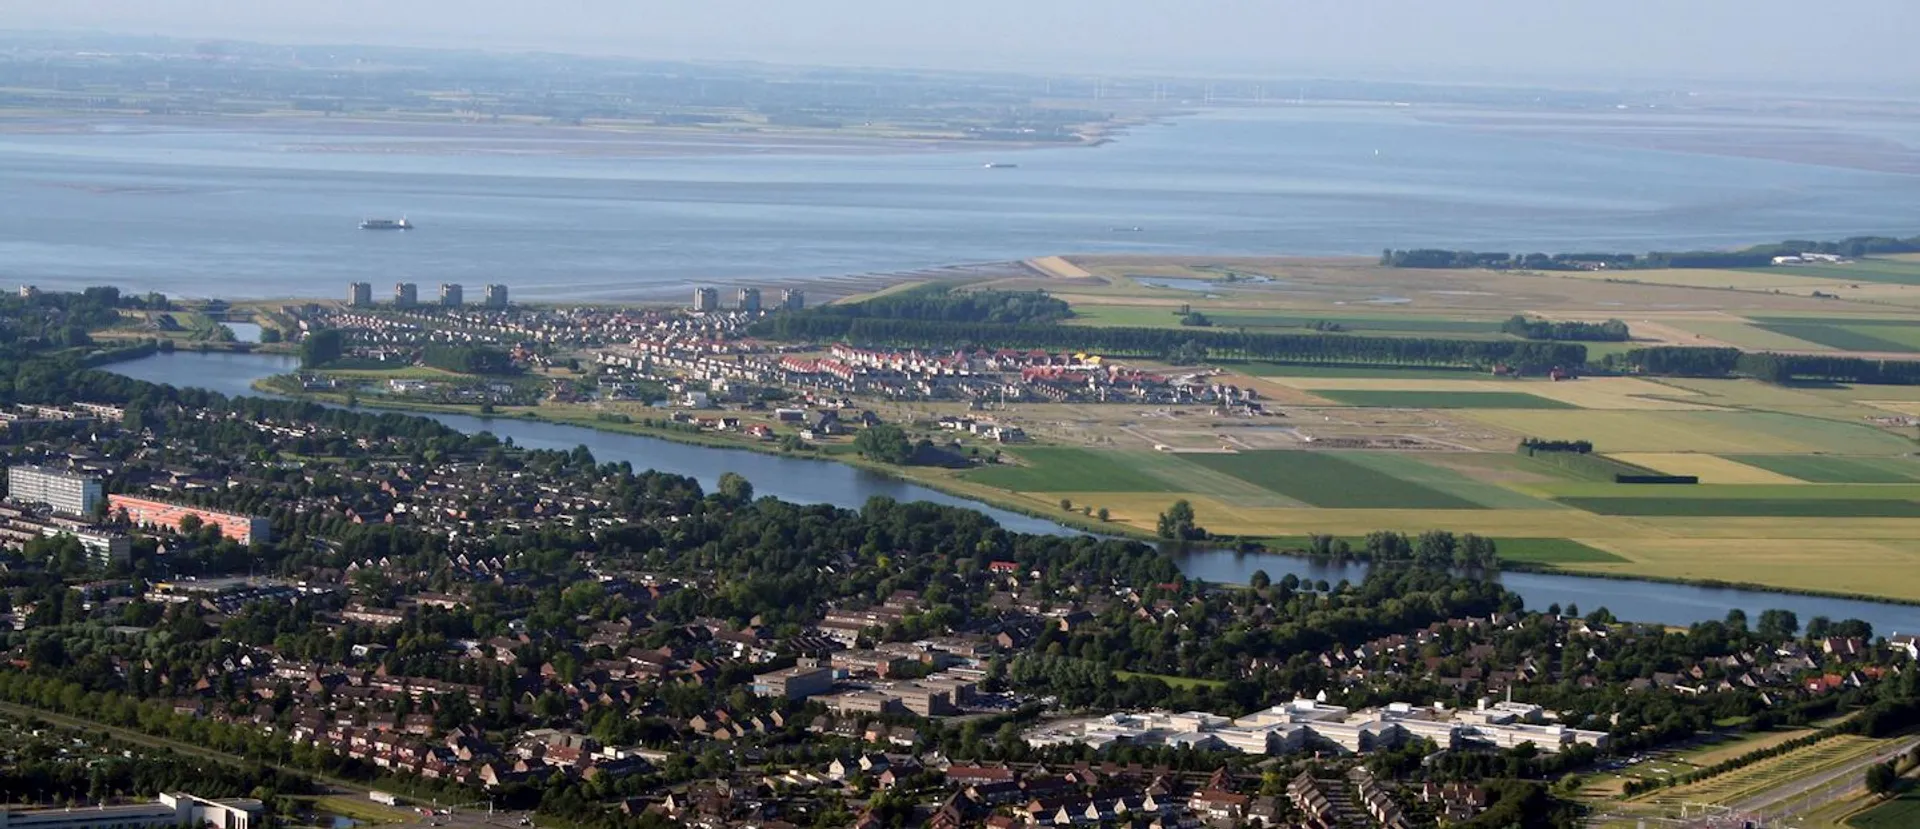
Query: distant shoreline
[{"x": 420, "y": 134}]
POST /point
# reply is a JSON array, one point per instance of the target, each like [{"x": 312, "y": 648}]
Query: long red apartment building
[{"x": 145, "y": 512}]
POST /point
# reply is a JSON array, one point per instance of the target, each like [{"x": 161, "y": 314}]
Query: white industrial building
[
  {"x": 173, "y": 809},
  {"x": 1303, "y": 723}
]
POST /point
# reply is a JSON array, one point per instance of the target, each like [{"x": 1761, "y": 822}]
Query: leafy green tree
[
  {"x": 321, "y": 347},
  {"x": 1778, "y": 624},
  {"x": 1178, "y": 523},
  {"x": 735, "y": 489},
  {"x": 885, "y": 443},
  {"x": 1881, "y": 779}
]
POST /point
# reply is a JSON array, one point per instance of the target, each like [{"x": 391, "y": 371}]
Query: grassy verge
[
  {"x": 360, "y": 809},
  {"x": 1750, "y": 781},
  {"x": 150, "y": 741},
  {"x": 1173, "y": 681}
]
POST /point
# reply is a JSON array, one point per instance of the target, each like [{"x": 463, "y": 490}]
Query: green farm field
[
  {"x": 1223, "y": 315},
  {"x": 1260, "y": 369},
  {"x": 1888, "y": 271},
  {"x": 1530, "y": 550},
  {"x": 1379, "y": 399},
  {"x": 1344, "y": 449},
  {"x": 1728, "y": 492},
  {"x": 1071, "y": 470},
  {"x": 1854, "y": 337},
  {"x": 1441, "y": 473},
  {"x": 1778, "y": 507},
  {"x": 1711, "y": 432},
  {"x": 1831, "y": 469},
  {"x": 1552, "y": 551},
  {"x": 1322, "y": 479},
  {"x": 1901, "y": 812}
]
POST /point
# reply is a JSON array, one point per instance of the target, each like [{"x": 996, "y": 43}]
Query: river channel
[{"x": 818, "y": 481}]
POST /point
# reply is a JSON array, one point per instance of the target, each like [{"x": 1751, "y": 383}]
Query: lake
[
  {"x": 817, "y": 481},
  {"x": 236, "y": 211}
]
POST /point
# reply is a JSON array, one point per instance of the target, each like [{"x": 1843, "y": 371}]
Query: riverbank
[
  {"x": 817, "y": 480},
  {"x": 440, "y": 134},
  {"x": 842, "y": 452},
  {"x": 945, "y": 481}
]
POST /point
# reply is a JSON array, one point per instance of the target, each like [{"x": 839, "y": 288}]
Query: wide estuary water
[
  {"x": 229, "y": 210},
  {"x": 817, "y": 481}
]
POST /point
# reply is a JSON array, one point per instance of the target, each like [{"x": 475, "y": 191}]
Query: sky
[{"x": 1759, "y": 41}]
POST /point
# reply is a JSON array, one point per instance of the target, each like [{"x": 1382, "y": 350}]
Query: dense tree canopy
[
  {"x": 949, "y": 303},
  {"x": 1536, "y": 329},
  {"x": 1163, "y": 342}
]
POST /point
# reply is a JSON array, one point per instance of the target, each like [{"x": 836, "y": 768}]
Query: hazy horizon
[{"x": 1759, "y": 42}]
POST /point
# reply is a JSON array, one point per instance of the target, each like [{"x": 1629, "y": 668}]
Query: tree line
[
  {"x": 1611, "y": 331},
  {"x": 1162, "y": 342},
  {"x": 1757, "y": 256},
  {"x": 941, "y": 302},
  {"x": 467, "y": 359},
  {"x": 1578, "y": 458},
  {"x": 1434, "y": 548},
  {"x": 1687, "y": 361}
]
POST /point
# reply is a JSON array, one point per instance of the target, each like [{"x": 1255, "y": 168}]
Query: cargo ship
[
  {"x": 386, "y": 224},
  {"x": 1000, "y": 165}
]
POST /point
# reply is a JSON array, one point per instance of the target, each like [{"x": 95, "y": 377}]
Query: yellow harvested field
[
  {"x": 1711, "y": 469},
  {"x": 1720, "y": 752},
  {"x": 1622, "y": 431},
  {"x": 1059, "y": 268},
  {"x": 1627, "y": 393},
  {"x": 1778, "y": 528},
  {"x": 1910, "y": 408},
  {"x": 1865, "y": 556},
  {"x": 1866, "y": 567},
  {"x": 1740, "y": 335},
  {"x": 1143, "y": 510}
]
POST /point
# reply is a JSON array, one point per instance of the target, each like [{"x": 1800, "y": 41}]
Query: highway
[{"x": 1842, "y": 779}]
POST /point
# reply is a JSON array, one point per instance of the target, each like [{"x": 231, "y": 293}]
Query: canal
[{"x": 806, "y": 480}]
